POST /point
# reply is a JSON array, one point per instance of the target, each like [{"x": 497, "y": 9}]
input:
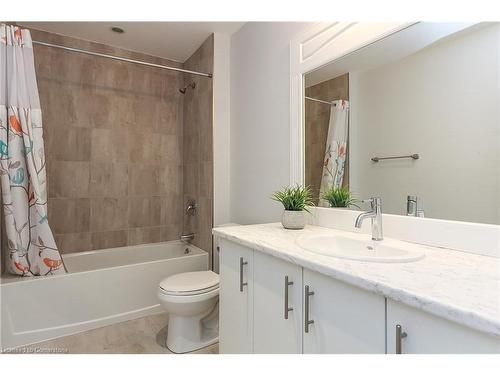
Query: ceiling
[{"x": 171, "y": 40}]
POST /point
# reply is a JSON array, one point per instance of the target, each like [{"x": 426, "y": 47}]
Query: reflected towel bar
[{"x": 376, "y": 159}]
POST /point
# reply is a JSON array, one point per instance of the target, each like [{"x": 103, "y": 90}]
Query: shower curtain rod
[
  {"x": 209, "y": 75},
  {"x": 319, "y": 100}
]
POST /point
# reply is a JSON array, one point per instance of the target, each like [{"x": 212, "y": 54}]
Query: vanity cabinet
[
  {"x": 277, "y": 305},
  {"x": 235, "y": 298},
  {"x": 269, "y": 305},
  {"x": 413, "y": 331},
  {"x": 342, "y": 318},
  {"x": 263, "y": 301}
]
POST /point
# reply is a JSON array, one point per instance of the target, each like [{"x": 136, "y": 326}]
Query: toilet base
[
  {"x": 206, "y": 344},
  {"x": 187, "y": 334}
]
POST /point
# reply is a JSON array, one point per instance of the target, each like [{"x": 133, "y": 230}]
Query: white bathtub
[{"x": 101, "y": 288}]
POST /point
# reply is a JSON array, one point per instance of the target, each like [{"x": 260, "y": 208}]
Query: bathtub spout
[{"x": 187, "y": 237}]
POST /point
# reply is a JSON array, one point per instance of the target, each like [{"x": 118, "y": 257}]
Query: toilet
[{"x": 192, "y": 302}]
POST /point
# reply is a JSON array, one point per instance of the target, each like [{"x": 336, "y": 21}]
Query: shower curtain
[
  {"x": 31, "y": 249},
  {"x": 336, "y": 147}
]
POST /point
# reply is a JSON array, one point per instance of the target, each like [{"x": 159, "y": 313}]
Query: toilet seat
[{"x": 190, "y": 283}]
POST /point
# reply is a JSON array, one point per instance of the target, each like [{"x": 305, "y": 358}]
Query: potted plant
[
  {"x": 339, "y": 197},
  {"x": 295, "y": 200}
]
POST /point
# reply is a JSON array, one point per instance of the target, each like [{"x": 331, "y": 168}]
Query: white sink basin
[{"x": 363, "y": 249}]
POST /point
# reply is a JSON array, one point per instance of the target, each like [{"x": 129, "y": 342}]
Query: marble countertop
[{"x": 458, "y": 286}]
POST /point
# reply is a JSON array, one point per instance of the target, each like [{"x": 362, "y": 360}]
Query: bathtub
[{"x": 101, "y": 288}]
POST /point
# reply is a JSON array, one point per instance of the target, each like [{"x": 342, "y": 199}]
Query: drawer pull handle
[
  {"x": 287, "y": 309},
  {"x": 307, "y": 321},
  {"x": 400, "y": 335},
  {"x": 242, "y": 263}
]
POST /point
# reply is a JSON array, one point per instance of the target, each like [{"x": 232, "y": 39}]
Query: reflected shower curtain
[
  {"x": 336, "y": 148},
  {"x": 30, "y": 244}
]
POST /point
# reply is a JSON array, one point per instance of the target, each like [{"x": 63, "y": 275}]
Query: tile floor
[{"x": 139, "y": 336}]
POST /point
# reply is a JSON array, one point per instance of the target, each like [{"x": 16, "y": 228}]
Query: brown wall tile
[
  {"x": 171, "y": 232},
  {"x": 68, "y": 179},
  {"x": 139, "y": 212},
  {"x": 105, "y": 240},
  {"x": 68, "y": 144},
  {"x": 198, "y": 148},
  {"x": 108, "y": 179},
  {"x": 144, "y": 179},
  {"x": 108, "y": 214},
  {"x": 109, "y": 145},
  {"x": 73, "y": 242},
  {"x": 137, "y": 236},
  {"x": 115, "y": 142},
  {"x": 69, "y": 215}
]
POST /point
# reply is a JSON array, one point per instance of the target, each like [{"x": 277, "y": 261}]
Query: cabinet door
[
  {"x": 277, "y": 330},
  {"x": 235, "y": 298},
  {"x": 429, "y": 334},
  {"x": 343, "y": 318}
]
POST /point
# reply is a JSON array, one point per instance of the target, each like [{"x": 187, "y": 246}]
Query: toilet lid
[{"x": 190, "y": 282}]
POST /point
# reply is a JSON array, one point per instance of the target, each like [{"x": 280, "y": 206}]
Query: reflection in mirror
[{"x": 414, "y": 119}]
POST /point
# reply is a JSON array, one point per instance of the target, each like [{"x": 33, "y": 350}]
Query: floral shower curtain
[
  {"x": 31, "y": 249},
  {"x": 336, "y": 148}
]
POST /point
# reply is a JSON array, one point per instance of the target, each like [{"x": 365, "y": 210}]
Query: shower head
[{"x": 183, "y": 90}]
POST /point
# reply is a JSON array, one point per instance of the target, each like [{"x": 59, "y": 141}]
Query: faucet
[
  {"x": 187, "y": 237},
  {"x": 375, "y": 214},
  {"x": 413, "y": 206}
]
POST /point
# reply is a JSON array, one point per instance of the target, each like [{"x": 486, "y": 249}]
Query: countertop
[{"x": 458, "y": 286}]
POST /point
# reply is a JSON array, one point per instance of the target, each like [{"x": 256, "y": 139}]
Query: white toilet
[{"x": 192, "y": 302}]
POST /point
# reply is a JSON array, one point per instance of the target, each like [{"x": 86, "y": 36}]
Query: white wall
[
  {"x": 443, "y": 103},
  {"x": 221, "y": 90},
  {"x": 260, "y": 118}
]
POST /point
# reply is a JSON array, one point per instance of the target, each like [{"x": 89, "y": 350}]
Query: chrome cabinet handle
[
  {"x": 287, "y": 309},
  {"x": 242, "y": 263},
  {"x": 307, "y": 321},
  {"x": 400, "y": 335}
]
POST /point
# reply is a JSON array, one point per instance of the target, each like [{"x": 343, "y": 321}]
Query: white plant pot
[{"x": 293, "y": 219}]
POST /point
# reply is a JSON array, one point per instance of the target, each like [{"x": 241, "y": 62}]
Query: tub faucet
[
  {"x": 413, "y": 206},
  {"x": 187, "y": 237},
  {"x": 375, "y": 214}
]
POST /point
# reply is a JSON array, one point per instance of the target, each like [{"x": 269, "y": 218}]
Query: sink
[{"x": 359, "y": 247}]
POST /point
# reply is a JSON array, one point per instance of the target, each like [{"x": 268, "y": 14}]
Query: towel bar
[{"x": 376, "y": 159}]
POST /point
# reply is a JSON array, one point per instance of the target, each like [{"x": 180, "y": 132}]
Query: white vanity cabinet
[
  {"x": 235, "y": 298},
  {"x": 413, "y": 331},
  {"x": 342, "y": 318},
  {"x": 262, "y": 302},
  {"x": 270, "y": 305},
  {"x": 277, "y": 305}
]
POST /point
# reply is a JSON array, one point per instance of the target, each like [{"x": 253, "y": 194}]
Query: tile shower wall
[
  {"x": 113, "y": 138},
  {"x": 198, "y": 146},
  {"x": 317, "y": 118}
]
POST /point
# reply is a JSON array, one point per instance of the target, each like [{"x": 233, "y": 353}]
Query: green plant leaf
[
  {"x": 339, "y": 197},
  {"x": 296, "y": 198}
]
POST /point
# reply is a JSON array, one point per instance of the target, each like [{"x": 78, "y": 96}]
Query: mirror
[{"x": 414, "y": 119}]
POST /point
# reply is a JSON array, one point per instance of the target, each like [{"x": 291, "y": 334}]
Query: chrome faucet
[
  {"x": 375, "y": 214},
  {"x": 413, "y": 206}
]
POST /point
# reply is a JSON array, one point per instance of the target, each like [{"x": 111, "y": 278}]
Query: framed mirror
[{"x": 413, "y": 118}]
